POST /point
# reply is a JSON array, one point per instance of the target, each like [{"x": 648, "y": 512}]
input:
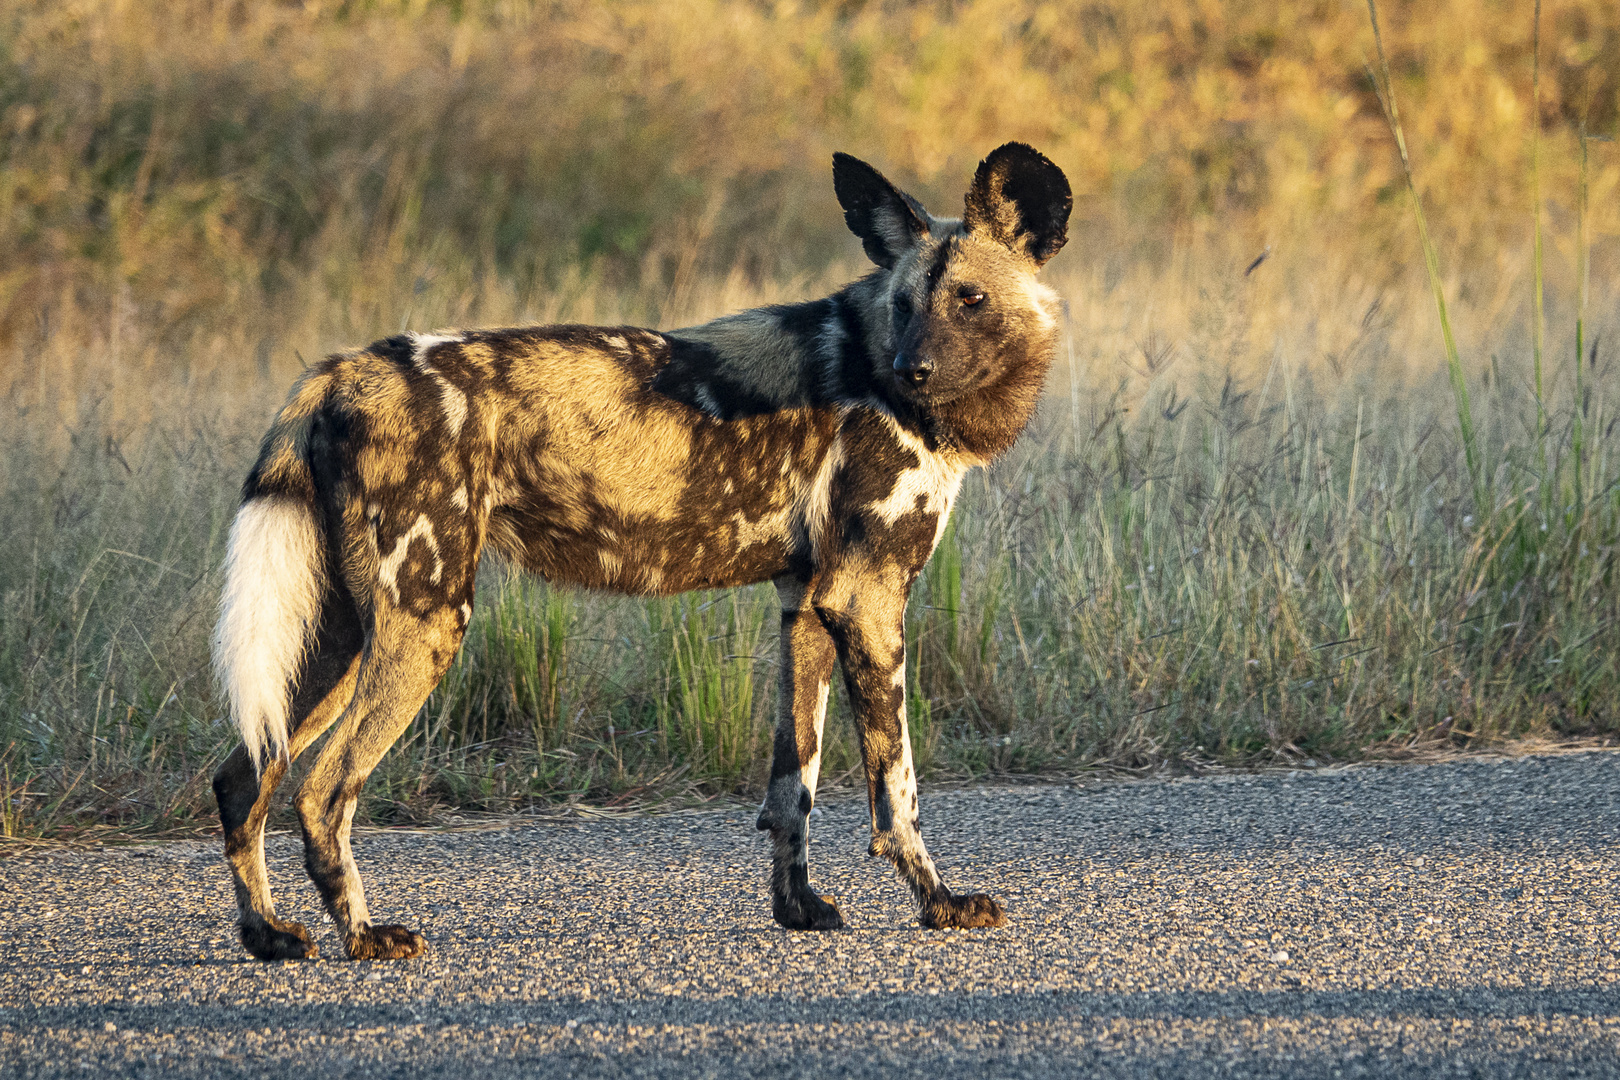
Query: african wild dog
[{"x": 817, "y": 445}]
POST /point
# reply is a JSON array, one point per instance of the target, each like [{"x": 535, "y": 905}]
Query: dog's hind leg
[
  {"x": 405, "y": 657},
  {"x": 323, "y": 687},
  {"x": 806, "y": 673}
]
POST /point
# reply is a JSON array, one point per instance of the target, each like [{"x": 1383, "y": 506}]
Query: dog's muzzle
[{"x": 912, "y": 370}]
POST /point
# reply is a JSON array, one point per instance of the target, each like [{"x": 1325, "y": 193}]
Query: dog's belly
[{"x": 647, "y": 556}]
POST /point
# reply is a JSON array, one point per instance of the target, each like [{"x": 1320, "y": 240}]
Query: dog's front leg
[
  {"x": 805, "y": 675},
  {"x": 870, "y": 638}
]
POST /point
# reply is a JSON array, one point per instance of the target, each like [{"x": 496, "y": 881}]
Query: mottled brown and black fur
[{"x": 817, "y": 445}]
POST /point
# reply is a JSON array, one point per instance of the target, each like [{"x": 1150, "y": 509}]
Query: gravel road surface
[{"x": 1452, "y": 920}]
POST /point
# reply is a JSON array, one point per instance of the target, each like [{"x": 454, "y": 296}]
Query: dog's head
[{"x": 960, "y": 297}]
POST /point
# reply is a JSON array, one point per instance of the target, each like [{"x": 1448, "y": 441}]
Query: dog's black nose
[{"x": 912, "y": 369}]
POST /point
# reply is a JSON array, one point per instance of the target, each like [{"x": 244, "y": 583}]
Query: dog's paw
[
  {"x": 807, "y": 911},
  {"x": 384, "y": 943},
  {"x": 277, "y": 940},
  {"x": 963, "y": 913}
]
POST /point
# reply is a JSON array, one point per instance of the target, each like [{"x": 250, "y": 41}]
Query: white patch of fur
[
  {"x": 904, "y": 843},
  {"x": 937, "y": 479},
  {"x": 939, "y": 528},
  {"x": 934, "y": 481},
  {"x": 810, "y": 771},
  {"x": 453, "y": 400},
  {"x": 426, "y": 343},
  {"x": 455, "y": 406},
  {"x": 267, "y": 616},
  {"x": 616, "y": 342},
  {"x": 1045, "y": 302},
  {"x": 459, "y": 497},
  {"x": 816, "y": 506},
  {"x": 466, "y": 614},
  {"x": 388, "y": 567}
]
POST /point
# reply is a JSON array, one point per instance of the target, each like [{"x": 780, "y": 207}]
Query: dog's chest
[{"x": 891, "y": 495}]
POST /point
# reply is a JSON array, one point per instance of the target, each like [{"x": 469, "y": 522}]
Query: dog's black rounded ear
[
  {"x": 888, "y": 221},
  {"x": 1020, "y": 199}
]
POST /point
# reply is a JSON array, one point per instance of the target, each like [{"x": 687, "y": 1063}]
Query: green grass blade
[{"x": 1539, "y": 321}]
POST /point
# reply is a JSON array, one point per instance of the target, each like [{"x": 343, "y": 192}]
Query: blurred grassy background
[{"x": 1240, "y": 532}]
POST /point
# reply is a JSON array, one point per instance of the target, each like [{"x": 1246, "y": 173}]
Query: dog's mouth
[
  {"x": 909, "y": 391},
  {"x": 932, "y": 391},
  {"x": 908, "y": 384}
]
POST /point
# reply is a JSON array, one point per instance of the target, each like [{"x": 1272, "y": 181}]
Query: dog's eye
[
  {"x": 971, "y": 298},
  {"x": 902, "y": 304}
]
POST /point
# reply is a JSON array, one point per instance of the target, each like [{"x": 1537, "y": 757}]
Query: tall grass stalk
[
  {"x": 1582, "y": 272},
  {"x": 1431, "y": 260},
  {"x": 1538, "y": 297}
]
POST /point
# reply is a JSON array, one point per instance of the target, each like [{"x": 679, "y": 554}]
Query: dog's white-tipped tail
[{"x": 267, "y": 615}]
